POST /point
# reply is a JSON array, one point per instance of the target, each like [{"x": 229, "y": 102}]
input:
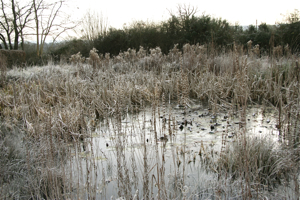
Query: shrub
[
  {"x": 13, "y": 57},
  {"x": 3, "y": 69},
  {"x": 68, "y": 48}
]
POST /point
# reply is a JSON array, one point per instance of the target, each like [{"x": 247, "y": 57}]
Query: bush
[
  {"x": 66, "y": 49},
  {"x": 114, "y": 42},
  {"x": 3, "y": 69},
  {"x": 13, "y": 57}
]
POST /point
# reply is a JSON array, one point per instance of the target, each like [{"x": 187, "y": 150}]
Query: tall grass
[{"x": 49, "y": 115}]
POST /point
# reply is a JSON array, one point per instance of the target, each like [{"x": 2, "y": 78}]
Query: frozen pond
[{"x": 164, "y": 151}]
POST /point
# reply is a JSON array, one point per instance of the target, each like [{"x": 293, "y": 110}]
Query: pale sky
[{"x": 119, "y": 12}]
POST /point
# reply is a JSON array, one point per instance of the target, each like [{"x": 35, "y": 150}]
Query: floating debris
[
  {"x": 230, "y": 135},
  {"x": 181, "y": 127},
  {"x": 164, "y": 138},
  {"x": 217, "y": 124}
]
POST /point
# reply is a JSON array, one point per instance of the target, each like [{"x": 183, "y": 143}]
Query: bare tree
[
  {"x": 50, "y": 21},
  {"x": 6, "y": 26},
  {"x": 17, "y": 17},
  {"x": 291, "y": 17},
  {"x": 14, "y": 19},
  {"x": 185, "y": 12},
  {"x": 93, "y": 25},
  {"x": 23, "y": 20},
  {"x": 183, "y": 16}
]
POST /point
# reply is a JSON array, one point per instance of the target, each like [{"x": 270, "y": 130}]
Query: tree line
[
  {"x": 41, "y": 18},
  {"x": 186, "y": 27}
]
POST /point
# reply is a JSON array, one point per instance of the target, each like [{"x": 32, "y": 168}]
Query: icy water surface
[{"x": 164, "y": 152}]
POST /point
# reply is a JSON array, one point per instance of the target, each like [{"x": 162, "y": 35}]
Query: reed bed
[{"x": 49, "y": 115}]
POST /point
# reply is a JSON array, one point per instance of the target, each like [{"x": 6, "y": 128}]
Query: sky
[{"x": 120, "y": 12}]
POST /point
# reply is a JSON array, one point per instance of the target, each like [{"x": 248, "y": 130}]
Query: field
[{"x": 188, "y": 125}]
